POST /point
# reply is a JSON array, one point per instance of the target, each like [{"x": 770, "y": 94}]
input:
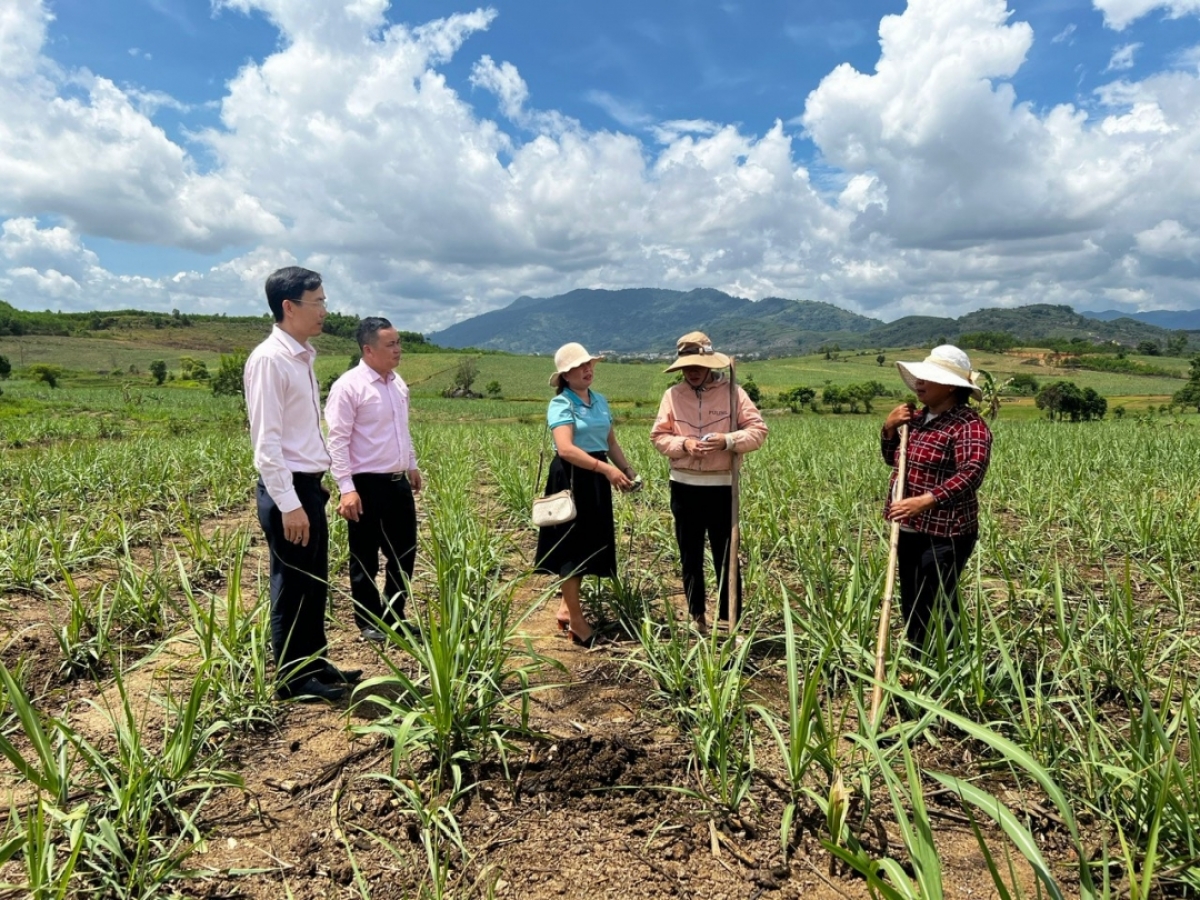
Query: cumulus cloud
[
  {"x": 346, "y": 150},
  {"x": 983, "y": 193},
  {"x": 99, "y": 160},
  {"x": 1119, "y": 14}
]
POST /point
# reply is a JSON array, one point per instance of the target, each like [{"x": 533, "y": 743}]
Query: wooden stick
[
  {"x": 735, "y": 535},
  {"x": 889, "y": 588}
]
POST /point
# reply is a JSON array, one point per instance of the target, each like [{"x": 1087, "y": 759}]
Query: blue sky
[{"x": 435, "y": 161}]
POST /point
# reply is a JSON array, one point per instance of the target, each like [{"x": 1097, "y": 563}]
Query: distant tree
[
  {"x": 158, "y": 368},
  {"x": 1058, "y": 399},
  {"x": 355, "y": 358},
  {"x": 340, "y": 324},
  {"x": 5, "y": 368},
  {"x": 1177, "y": 343},
  {"x": 1023, "y": 383},
  {"x": 1064, "y": 400},
  {"x": 988, "y": 341},
  {"x": 834, "y": 398},
  {"x": 191, "y": 369},
  {"x": 1189, "y": 394},
  {"x": 466, "y": 373},
  {"x": 797, "y": 398},
  {"x": 1118, "y": 412},
  {"x": 880, "y": 359},
  {"x": 1093, "y": 406},
  {"x": 1149, "y": 348},
  {"x": 493, "y": 389},
  {"x": 228, "y": 380},
  {"x": 752, "y": 390},
  {"x": 45, "y": 373}
]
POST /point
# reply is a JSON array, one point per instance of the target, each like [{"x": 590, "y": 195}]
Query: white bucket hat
[
  {"x": 944, "y": 365},
  {"x": 567, "y": 357}
]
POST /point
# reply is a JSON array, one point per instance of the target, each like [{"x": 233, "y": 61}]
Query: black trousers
[
  {"x": 928, "y": 572},
  {"x": 299, "y": 583},
  {"x": 700, "y": 512},
  {"x": 388, "y": 523}
]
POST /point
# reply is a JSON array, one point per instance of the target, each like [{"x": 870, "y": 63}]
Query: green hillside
[
  {"x": 650, "y": 320},
  {"x": 647, "y": 321},
  {"x": 1032, "y": 325}
]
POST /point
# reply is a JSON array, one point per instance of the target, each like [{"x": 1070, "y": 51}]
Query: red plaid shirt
[{"x": 947, "y": 457}]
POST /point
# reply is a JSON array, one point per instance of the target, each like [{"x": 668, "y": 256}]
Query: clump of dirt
[{"x": 575, "y": 767}]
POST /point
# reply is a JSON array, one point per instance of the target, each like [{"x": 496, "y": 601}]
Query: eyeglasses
[{"x": 324, "y": 301}]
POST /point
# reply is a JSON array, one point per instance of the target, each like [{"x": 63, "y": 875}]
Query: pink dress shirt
[
  {"x": 283, "y": 401},
  {"x": 367, "y": 415}
]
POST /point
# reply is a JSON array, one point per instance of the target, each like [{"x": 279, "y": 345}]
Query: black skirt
[{"x": 587, "y": 545}]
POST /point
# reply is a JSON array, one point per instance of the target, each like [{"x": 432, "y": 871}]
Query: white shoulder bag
[{"x": 553, "y": 509}]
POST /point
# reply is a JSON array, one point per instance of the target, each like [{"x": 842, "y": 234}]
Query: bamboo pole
[
  {"x": 889, "y": 588},
  {"x": 732, "y": 608}
]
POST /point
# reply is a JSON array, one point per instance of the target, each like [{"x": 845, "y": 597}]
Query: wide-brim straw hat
[
  {"x": 567, "y": 357},
  {"x": 695, "y": 349},
  {"x": 944, "y": 365}
]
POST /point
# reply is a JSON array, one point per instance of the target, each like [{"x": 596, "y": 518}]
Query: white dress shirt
[
  {"x": 367, "y": 415},
  {"x": 284, "y": 404}
]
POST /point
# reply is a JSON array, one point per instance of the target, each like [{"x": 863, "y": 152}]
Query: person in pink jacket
[{"x": 697, "y": 431}]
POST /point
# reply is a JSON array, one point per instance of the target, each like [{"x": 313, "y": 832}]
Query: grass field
[
  {"x": 1051, "y": 753},
  {"x": 107, "y": 361}
]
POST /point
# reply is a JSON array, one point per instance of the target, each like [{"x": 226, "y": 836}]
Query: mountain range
[{"x": 648, "y": 321}]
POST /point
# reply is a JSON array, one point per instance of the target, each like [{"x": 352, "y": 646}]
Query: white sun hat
[
  {"x": 944, "y": 365},
  {"x": 567, "y": 357}
]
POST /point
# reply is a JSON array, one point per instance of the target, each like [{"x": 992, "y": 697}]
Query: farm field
[
  {"x": 484, "y": 757},
  {"x": 99, "y": 361}
]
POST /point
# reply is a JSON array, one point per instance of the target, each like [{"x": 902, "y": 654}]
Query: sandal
[{"x": 587, "y": 643}]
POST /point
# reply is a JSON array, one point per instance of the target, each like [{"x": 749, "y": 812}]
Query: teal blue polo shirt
[{"x": 592, "y": 421}]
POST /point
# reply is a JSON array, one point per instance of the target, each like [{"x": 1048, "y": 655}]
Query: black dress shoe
[
  {"x": 331, "y": 674},
  {"x": 310, "y": 690}
]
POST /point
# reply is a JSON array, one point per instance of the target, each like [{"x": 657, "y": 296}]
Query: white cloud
[
  {"x": 1064, "y": 36},
  {"x": 1119, "y": 14},
  {"x": 626, "y": 114},
  {"x": 1122, "y": 58},
  {"x": 939, "y": 190}
]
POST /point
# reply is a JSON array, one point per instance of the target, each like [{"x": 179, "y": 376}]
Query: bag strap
[{"x": 542, "y": 454}]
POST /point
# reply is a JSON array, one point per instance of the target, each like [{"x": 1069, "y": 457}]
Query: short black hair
[
  {"x": 369, "y": 328},
  {"x": 289, "y": 283}
]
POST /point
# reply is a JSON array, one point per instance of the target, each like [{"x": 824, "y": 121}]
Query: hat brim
[
  {"x": 911, "y": 373},
  {"x": 554, "y": 379},
  {"x": 706, "y": 360}
]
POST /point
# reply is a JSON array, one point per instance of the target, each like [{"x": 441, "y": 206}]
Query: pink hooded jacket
[{"x": 687, "y": 413}]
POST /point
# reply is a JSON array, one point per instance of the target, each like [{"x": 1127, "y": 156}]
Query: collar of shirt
[
  {"x": 293, "y": 346},
  {"x": 375, "y": 375},
  {"x": 579, "y": 399}
]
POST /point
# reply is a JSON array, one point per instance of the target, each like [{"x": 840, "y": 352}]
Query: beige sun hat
[
  {"x": 695, "y": 349},
  {"x": 944, "y": 365},
  {"x": 567, "y": 357}
]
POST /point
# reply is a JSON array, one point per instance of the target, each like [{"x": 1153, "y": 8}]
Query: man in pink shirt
[
  {"x": 376, "y": 470},
  {"x": 283, "y": 402}
]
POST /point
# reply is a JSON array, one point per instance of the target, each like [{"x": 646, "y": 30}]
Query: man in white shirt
[
  {"x": 283, "y": 402},
  {"x": 376, "y": 471}
]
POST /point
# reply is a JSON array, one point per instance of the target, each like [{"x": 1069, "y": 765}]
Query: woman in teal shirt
[{"x": 584, "y": 442}]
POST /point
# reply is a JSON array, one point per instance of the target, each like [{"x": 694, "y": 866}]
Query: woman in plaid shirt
[{"x": 949, "y": 447}]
